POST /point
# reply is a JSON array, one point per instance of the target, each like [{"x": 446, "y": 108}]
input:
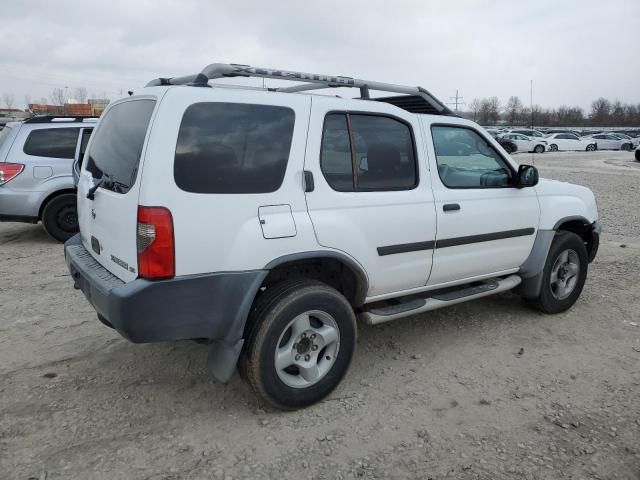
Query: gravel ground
[{"x": 483, "y": 390}]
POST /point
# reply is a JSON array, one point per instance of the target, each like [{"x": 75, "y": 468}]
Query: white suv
[{"x": 264, "y": 222}]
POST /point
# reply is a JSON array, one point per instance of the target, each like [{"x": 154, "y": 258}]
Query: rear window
[
  {"x": 117, "y": 144},
  {"x": 4, "y": 134},
  {"x": 52, "y": 142},
  {"x": 233, "y": 148}
]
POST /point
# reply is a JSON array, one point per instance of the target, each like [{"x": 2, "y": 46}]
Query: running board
[{"x": 438, "y": 300}]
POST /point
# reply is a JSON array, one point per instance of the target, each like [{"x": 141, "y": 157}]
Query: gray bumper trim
[{"x": 213, "y": 306}]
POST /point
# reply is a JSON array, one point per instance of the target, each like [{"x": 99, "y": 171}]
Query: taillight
[
  {"x": 9, "y": 171},
  {"x": 156, "y": 252}
]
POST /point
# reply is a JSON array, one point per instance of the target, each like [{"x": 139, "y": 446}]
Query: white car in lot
[
  {"x": 525, "y": 143},
  {"x": 628, "y": 142},
  {"x": 263, "y": 223},
  {"x": 570, "y": 142}
]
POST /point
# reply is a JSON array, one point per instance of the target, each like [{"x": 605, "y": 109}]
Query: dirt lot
[{"x": 484, "y": 390}]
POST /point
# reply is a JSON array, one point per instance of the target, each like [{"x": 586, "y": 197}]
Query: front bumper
[
  {"x": 594, "y": 242},
  {"x": 211, "y": 306}
]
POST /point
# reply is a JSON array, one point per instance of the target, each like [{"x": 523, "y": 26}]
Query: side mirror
[{"x": 527, "y": 176}]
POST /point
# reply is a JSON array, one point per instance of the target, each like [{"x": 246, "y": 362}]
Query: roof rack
[
  {"x": 59, "y": 118},
  {"x": 419, "y": 101}
]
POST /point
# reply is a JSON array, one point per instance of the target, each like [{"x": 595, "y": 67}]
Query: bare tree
[
  {"x": 8, "y": 99},
  {"x": 27, "y": 101},
  {"x": 57, "y": 96},
  {"x": 600, "y": 110},
  {"x": 80, "y": 94},
  {"x": 513, "y": 109},
  {"x": 43, "y": 101},
  {"x": 494, "y": 109},
  {"x": 474, "y": 108}
]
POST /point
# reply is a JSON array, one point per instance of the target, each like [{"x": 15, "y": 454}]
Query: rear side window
[
  {"x": 117, "y": 144},
  {"x": 52, "y": 142},
  {"x": 233, "y": 148},
  {"x": 367, "y": 153}
]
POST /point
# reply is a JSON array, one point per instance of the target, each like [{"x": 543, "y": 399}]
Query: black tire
[
  {"x": 60, "y": 217},
  {"x": 626, "y": 147},
  {"x": 268, "y": 322},
  {"x": 591, "y": 148},
  {"x": 548, "y": 301},
  {"x": 539, "y": 149},
  {"x": 638, "y": 155},
  {"x": 509, "y": 148},
  {"x": 553, "y": 147}
]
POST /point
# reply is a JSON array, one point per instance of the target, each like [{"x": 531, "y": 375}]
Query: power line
[{"x": 457, "y": 100}]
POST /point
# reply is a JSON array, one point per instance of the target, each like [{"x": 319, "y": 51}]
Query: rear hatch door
[{"x": 109, "y": 184}]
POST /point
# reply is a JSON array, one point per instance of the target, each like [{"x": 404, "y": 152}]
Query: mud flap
[{"x": 222, "y": 359}]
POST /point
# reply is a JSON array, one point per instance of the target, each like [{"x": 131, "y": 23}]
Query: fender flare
[
  {"x": 362, "y": 286},
  {"x": 533, "y": 267}
]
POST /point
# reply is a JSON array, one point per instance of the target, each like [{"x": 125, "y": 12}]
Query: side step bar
[{"x": 438, "y": 300}]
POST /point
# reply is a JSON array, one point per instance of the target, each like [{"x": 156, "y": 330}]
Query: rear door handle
[{"x": 450, "y": 207}]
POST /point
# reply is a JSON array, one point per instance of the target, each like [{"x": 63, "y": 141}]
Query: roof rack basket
[{"x": 414, "y": 99}]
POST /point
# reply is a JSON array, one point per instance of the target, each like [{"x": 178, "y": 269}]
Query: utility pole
[{"x": 457, "y": 100}]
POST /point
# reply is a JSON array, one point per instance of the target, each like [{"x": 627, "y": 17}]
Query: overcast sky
[{"x": 574, "y": 51}]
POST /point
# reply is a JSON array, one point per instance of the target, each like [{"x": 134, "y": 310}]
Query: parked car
[
  {"x": 609, "y": 141},
  {"x": 526, "y": 144},
  {"x": 632, "y": 141},
  {"x": 529, "y": 132},
  {"x": 561, "y": 130},
  {"x": 36, "y": 183},
  {"x": 509, "y": 145},
  {"x": 569, "y": 141},
  {"x": 264, "y": 222}
]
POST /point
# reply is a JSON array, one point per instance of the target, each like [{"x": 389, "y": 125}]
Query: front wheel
[
  {"x": 638, "y": 155},
  {"x": 564, "y": 274},
  {"x": 60, "y": 217},
  {"x": 626, "y": 147},
  {"x": 539, "y": 149},
  {"x": 591, "y": 148},
  {"x": 300, "y": 345},
  {"x": 553, "y": 147}
]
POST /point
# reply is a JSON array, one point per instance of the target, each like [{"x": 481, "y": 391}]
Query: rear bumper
[{"x": 212, "y": 306}]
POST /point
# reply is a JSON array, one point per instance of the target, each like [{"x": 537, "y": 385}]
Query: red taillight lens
[
  {"x": 156, "y": 251},
  {"x": 9, "y": 171}
]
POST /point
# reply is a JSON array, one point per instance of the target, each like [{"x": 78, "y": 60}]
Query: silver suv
[{"x": 36, "y": 182}]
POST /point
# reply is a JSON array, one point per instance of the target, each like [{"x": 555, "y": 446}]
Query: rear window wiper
[{"x": 107, "y": 181}]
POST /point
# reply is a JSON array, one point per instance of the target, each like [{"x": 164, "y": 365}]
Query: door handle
[
  {"x": 309, "y": 185},
  {"x": 450, "y": 207}
]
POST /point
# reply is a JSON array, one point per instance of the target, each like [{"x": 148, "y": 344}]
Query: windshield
[
  {"x": 115, "y": 151},
  {"x": 4, "y": 134}
]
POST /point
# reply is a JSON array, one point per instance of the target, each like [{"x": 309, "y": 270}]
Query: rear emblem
[{"x": 93, "y": 213}]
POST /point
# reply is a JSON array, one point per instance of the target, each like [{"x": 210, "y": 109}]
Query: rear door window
[
  {"x": 363, "y": 152},
  {"x": 233, "y": 148},
  {"x": 115, "y": 151},
  {"x": 52, "y": 142}
]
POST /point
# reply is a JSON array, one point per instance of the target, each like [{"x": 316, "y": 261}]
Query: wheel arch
[
  {"x": 331, "y": 267},
  {"x": 532, "y": 269},
  {"x": 51, "y": 196}
]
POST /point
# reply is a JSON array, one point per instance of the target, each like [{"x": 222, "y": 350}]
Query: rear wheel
[
  {"x": 539, "y": 149},
  {"x": 564, "y": 275},
  {"x": 60, "y": 217},
  {"x": 626, "y": 147},
  {"x": 553, "y": 147},
  {"x": 509, "y": 148},
  {"x": 300, "y": 345},
  {"x": 591, "y": 147},
  {"x": 638, "y": 155}
]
